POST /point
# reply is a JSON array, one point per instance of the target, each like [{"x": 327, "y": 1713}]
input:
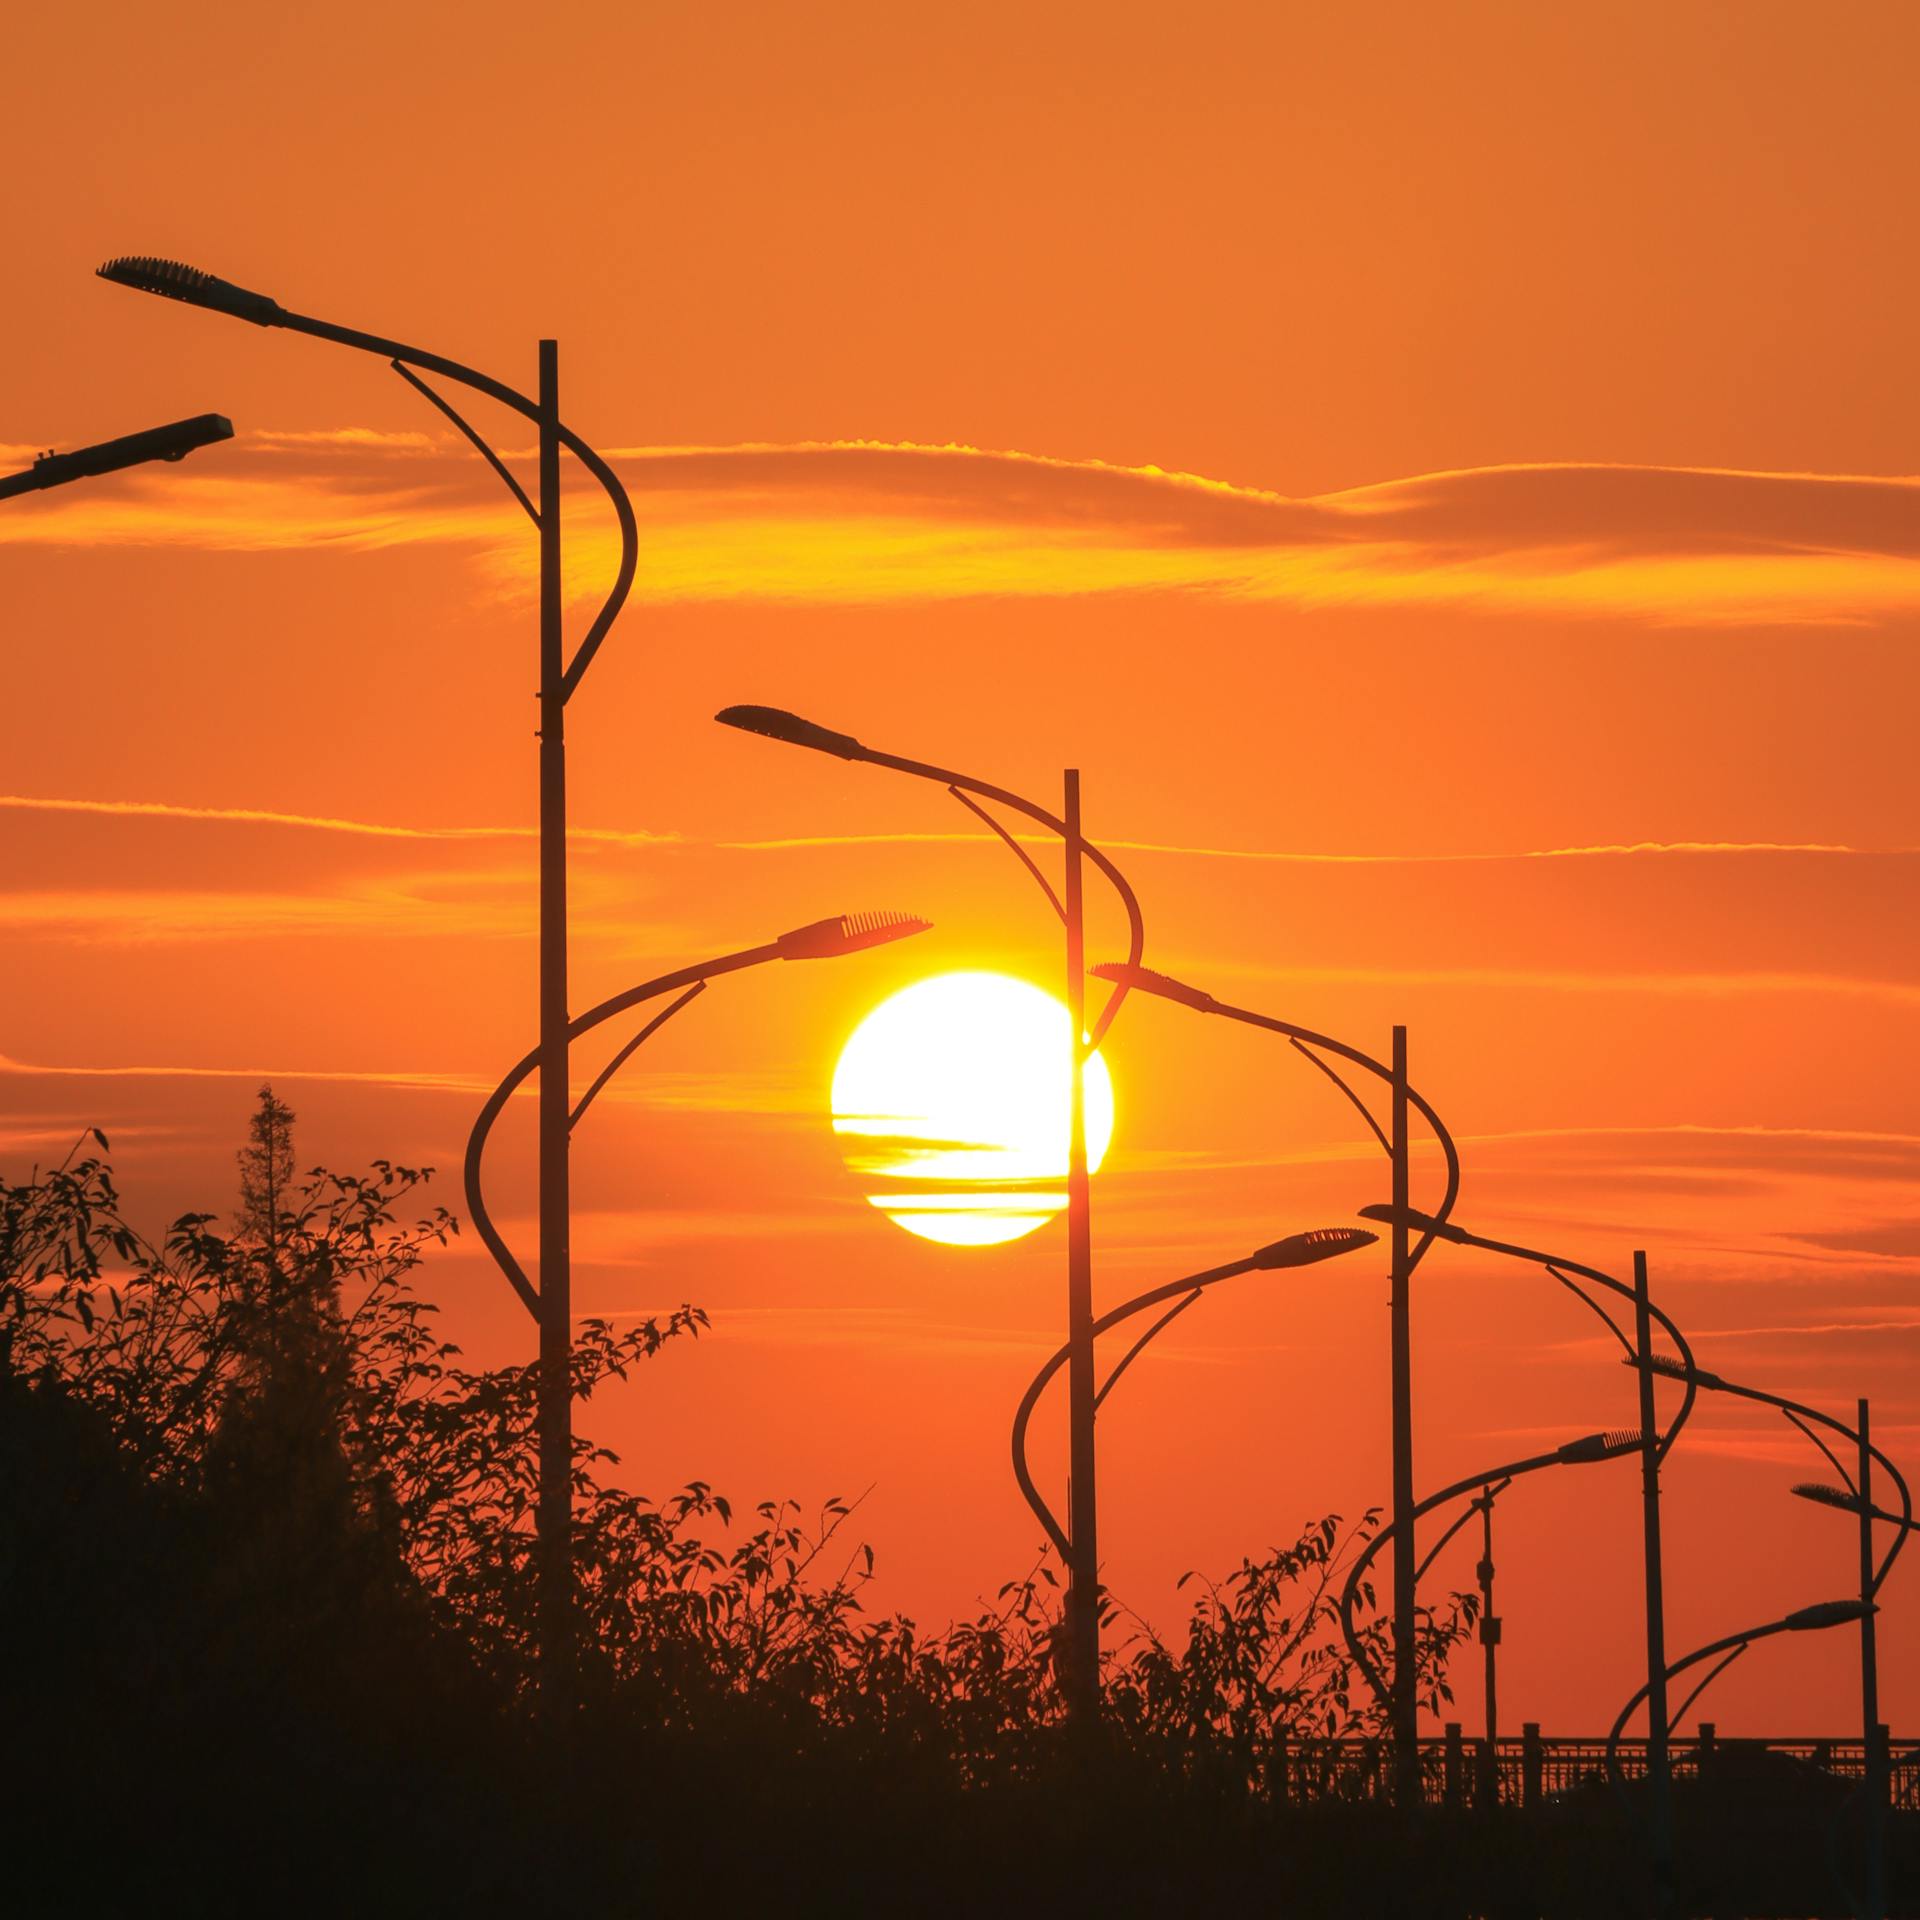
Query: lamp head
[
  {"x": 1417, "y": 1221},
  {"x": 1598, "y": 1446},
  {"x": 171, "y": 442},
  {"x": 1144, "y": 980},
  {"x": 776, "y": 723},
  {"x": 173, "y": 281},
  {"x": 848, "y": 933},
  {"x": 1827, "y": 1496},
  {"x": 1828, "y": 1613},
  {"x": 1316, "y": 1244},
  {"x": 1669, "y": 1368}
]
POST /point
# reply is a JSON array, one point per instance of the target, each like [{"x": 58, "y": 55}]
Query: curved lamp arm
[
  {"x": 775, "y": 723},
  {"x": 1296, "y": 1250},
  {"x": 1559, "y": 1265},
  {"x": 1799, "y": 1412},
  {"x": 1823, "y": 1613},
  {"x": 173, "y": 281},
  {"x": 1574, "y": 1453},
  {"x": 1165, "y": 987},
  {"x": 823, "y": 939}
]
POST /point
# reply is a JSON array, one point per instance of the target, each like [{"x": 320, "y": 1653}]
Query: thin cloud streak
[
  {"x": 638, "y": 838},
  {"x": 320, "y": 823},
  {"x": 803, "y": 842},
  {"x": 1902, "y": 993}
]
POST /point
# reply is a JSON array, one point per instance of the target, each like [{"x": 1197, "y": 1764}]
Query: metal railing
[{"x": 1534, "y": 1769}]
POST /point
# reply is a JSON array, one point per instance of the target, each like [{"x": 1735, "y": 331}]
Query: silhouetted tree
[{"x": 266, "y": 1169}]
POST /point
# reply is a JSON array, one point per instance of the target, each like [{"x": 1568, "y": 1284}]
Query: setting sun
[{"x": 952, "y": 1097}]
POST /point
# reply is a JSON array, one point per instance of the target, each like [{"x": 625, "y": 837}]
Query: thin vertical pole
[
  {"x": 1083, "y": 1679},
  {"x": 1659, "y": 1778},
  {"x": 1489, "y": 1620},
  {"x": 1406, "y": 1678},
  {"x": 555, "y": 1514},
  {"x": 1874, "y": 1906}
]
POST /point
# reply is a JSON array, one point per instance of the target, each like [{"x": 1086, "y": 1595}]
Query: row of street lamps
[{"x": 1412, "y": 1232}]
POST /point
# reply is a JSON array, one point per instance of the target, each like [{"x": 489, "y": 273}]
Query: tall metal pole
[
  {"x": 1083, "y": 1591},
  {"x": 1874, "y": 1906},
  {"x": 555, "y": 1511},
  {"x": 1406, "y": 1679},
  {"x": 1659, "y": 1777}
]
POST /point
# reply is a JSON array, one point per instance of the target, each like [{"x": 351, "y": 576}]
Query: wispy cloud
[
  {"x": 313, "y": 822},
  {"x": 398, "y": 1077},
  {"x": 636, "y": 838},
  {"x": 1703, "y": 984},
  {"x": 874, "y": 523}
]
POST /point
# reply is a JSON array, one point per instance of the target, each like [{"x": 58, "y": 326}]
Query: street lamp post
[
  {"x": 1406, "y": 1256},
  {"x": 1654, "y": 1444},
  {"x": 1856, "y": 1497},
  {"x": 559, "y": 680},
  {"x": 172, "y": 442},
  {"x": 1080, "y": 1550}
]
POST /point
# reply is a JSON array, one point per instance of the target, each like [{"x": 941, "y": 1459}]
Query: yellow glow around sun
[{"x": 953, "y": 1097}]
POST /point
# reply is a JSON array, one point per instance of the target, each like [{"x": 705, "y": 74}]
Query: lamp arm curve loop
[
  {"x": 517, "y": 402},
  {"x": 496, "y": 1101},
  {"x": 1421, "y": 1105},
  {"x": 1129, "y": 900},
  {"x": 1799, "y": 1410},
  {"x": 1535, "y": 1257},
  {"x": 1193, "y": 1283}
]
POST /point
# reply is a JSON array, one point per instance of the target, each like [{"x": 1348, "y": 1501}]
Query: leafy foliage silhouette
[{"x": 330, "y": 1519}]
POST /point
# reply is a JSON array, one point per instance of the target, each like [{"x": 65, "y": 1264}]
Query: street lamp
[
  {"x": 172, "y": 442},
  {"x": 819, "y": 940},
  {"x": 1857, "y": 1497},
  {"x": 1654, "y": 1445},
  {"x": 559, "y": 678},
  {"x": 1082, "y": 1555},
  {"x": 1296, "y": 1250},
  {"x": 1406, "y": 1257}
]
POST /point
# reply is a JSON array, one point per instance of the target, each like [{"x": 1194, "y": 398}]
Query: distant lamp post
[
  {"x": 1396, "y": 1142},
  {"x": 1296, "y": 1250},
  {"x": 559, "y": 679},
  {"x": 1654, "y": 1444},
  {"x": 1081, "y": 1550},
  {"x": 1855, "y": 1497},
  {"x": 171, "y": 442}
]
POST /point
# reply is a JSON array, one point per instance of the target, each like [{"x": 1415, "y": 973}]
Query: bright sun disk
[{"x": 953, "y": 1096}]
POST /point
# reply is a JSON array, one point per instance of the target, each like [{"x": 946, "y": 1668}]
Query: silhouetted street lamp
[
  {"x": 559, "y": 678},
  {"x": 1406, "y": 1257},
  {"x": 171, "y": 442},
  {"x": 1654, "y": 1446},
  {"x": 819, "y": 940},
  {"x": 1857, "y": 1497},
  {"x": 1296, "y": 1250},
  {"x": 1083, "y": 1555}
]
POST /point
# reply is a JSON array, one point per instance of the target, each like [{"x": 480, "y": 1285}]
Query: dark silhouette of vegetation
[
  {"x": 266, "y": 1168},
  {"x": 270, "y": 1632}
]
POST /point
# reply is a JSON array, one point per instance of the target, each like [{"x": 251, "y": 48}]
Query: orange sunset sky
[{"x": 1441, "y": 473}]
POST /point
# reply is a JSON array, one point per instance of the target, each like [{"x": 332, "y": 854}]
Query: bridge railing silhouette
[{"x": 1456, "y": 1770}]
